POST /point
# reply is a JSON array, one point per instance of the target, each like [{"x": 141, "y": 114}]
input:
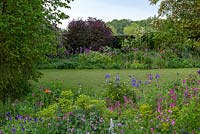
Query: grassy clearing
[{"x": 95, "y": 79}]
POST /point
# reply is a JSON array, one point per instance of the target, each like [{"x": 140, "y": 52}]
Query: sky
[{"x": 107, "y": 10}]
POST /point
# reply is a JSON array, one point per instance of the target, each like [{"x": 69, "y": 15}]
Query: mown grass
[{"x": 94, "y": 80}]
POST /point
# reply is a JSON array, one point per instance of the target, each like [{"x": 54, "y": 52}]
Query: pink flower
[
  {"x": 171, "y": 91},
  {"x": 173, "y": 122},
  {"x": 170, "y": 111},
  {"x": 152, "y": 129},
  {"x": 125, "y": 99},
  {"x": 172, "y": 104},
  {"x": 196, "y": 89},
  {"x": 184, "y": 81}
]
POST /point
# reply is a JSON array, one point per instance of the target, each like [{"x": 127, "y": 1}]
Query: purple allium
[
  {"x": 150, "y": 77},
  {"x": 107, "y": 76},
  {"x": 157, "y": 76},
  {"x": 1, "y": 132}
]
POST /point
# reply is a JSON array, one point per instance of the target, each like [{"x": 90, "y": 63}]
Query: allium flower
[
  {"x": 157, "y": 76},
  {"x": 150, "y": 77},
  {"x": 107, "y": 76}
]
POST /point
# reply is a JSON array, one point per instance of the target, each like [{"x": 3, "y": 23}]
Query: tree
[
  {"x": 92, "y": 33},
  {"x": 114, "y": 31},
  {"x": 183, "y": 13},
  {"x": 134, "y": 29},
  {"x": 119, "y": 25},
  {"x": 26, "y": 36}
]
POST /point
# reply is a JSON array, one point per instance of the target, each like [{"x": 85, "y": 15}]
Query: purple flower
[
  {"x": 157, "y": 76},
  {"x": 107, "y": 76},
  {"x": 35, "y": 119},
  {"x": 198, "y": 72},
  {"x": 150, "y": 77},
  {"x": 117, "y": 78},
  {"x": 1, "y": 132},
  {"x": 23, "y": 129},
  {"x": 139, "y": 81},
  {"x": 81, "y": 50},
  {"x": 134, "y": 82},
  {"x": 87, "y": 50},
  {"x": 13, "y": 130},
  {"x": 8, "y": 113}
]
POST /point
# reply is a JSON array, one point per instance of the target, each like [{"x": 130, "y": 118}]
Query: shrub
[{"x": 92, "y": 33}]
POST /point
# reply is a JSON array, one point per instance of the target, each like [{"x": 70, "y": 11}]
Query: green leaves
[{"x": 26, "y": 37}]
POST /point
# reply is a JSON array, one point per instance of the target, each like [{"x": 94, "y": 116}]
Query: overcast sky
[{"x": 108, "y": 10}]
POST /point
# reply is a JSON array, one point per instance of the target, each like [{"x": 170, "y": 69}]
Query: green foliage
[
  {"x": 50, "y": 111},
  {"x": 119, "y": 25},
  {"x": 65, "y": 101},
  {"x": 115, "y": 91},
  {"x": 134, "y": 29},
  {"x": 186, "y": 20},
  {"x": 189, "y": 116},
  {"x": 83, "y": 101},
  {"x": 26, "y": 36}
]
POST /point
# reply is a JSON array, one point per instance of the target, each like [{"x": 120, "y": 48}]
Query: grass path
[{"x": 95, "y": 79}]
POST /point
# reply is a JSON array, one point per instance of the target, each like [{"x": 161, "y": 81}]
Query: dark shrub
[{"x": 92, "y": 33}]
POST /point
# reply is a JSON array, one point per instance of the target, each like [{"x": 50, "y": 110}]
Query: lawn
[
  {"x": 95, "y": 79},
  {"x": 165, "y": 104}
]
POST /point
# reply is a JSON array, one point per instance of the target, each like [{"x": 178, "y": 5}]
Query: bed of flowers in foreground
[{"x": 134, "y": 107}]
